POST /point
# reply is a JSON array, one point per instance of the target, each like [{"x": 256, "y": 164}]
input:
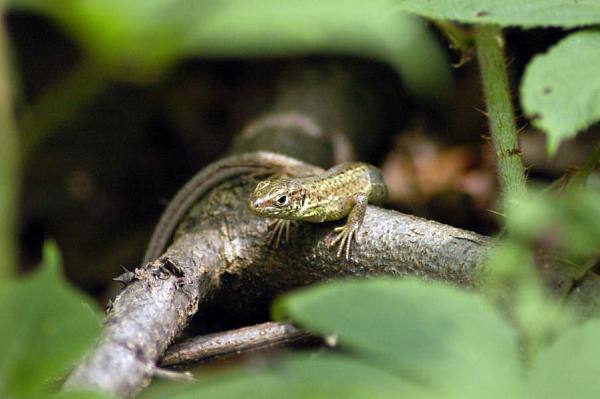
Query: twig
[
  {"x": 459, "y": 38},
  {"x": 490, "y": 53},
  {"x": 9, "y": 163},
  {"x": 173, "y": 375},
  {"x": 248, "y": 339}
]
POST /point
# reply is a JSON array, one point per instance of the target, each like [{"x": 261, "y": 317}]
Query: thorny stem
[
  {"x": 492, "y": 65},
  {"x": 9, "y": 163}
]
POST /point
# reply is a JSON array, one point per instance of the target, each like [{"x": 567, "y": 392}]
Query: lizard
[
  {"x": 342, "y": 191},
  {"x": 254, "y": 163}
]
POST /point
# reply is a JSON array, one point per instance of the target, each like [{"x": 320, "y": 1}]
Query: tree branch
[
  {"x": 234, "y": 342},
  {"x": 222, "y": 253}
]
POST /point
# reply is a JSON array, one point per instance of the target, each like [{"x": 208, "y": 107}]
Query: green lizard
[{"x": 341, "y": 191}]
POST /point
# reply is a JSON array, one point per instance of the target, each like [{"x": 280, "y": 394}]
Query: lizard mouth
[{"x": 256, "y": 204}]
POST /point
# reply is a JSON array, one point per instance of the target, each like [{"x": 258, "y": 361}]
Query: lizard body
[
  {"x": 344, "y": 190},
  {"x": 261, "y": 162}
]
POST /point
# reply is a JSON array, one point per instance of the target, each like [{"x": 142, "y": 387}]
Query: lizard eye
[{"x": 282, "y": 200}]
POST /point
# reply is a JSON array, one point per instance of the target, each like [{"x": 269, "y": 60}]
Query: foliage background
[{"x": 118, "y": 103}]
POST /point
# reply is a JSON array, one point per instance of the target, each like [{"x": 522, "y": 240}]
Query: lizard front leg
[
  {"x": 278, "y": 228},
  {"x": 347, "y": 233}
]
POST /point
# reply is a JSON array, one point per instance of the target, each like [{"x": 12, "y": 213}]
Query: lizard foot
[
  {"x": 279, "y": 226},
  {"x": 346, "y": 234}
]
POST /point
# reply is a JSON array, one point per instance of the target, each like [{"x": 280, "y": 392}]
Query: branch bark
[
  {"x": 222, "y": 253},
  {"x": 242, "y": 340}
]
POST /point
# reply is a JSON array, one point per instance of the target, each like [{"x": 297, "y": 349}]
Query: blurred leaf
[
  {"x": 327, "y": 376},
  {"x": 369, "y": 28},
  {"x": 565, "y": 227},
  {"x": 140, "y": 39},
  {"x": 45, "y": 327},
  {"x": 132, "y": 39},
  {"x": 569, "y": 369},
  {"x": 512, "y": 281},
  {"x": 78, "y": 395},
  {"x": 448, "y": 339},
  {"x": 584, "y": 301},
  {"x": 527, "y": 14},
  {"x": 567, "y": 224},
  {"x": 561, "y": 89}
]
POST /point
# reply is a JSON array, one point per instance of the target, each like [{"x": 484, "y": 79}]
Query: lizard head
[{"x": 281, "y": 198}]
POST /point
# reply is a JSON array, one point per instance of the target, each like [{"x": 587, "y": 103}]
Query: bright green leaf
[
  {"x": 561, "y": 89},
  {"x": 138, "y": 39},
  {"x": 448, "y": 339},
  {"x": 45, "y": 326},
  {"x": 299, "y": 377},
  {"x": 527, "y": 14},
  {"x": 569, "y": 368}
]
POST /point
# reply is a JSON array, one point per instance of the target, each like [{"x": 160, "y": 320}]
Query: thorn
[
  {"x": 127, "y": 277},
  {"x": 514, "y": 151},
  {"x": 496, "y": 212},
  {"x": 482, "y": 112},
  {"x": 522, "y": 128},
  {"x": 510, "y": 61},
  {"x": 486, "y": 137}
]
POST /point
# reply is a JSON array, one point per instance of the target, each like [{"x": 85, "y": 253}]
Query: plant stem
[
  {"x": 490, "y": 53},
  {"x": 9, "y": 163},
  {"x": 60, "y": 104}
]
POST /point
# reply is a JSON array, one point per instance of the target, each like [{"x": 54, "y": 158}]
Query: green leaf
[
  {"x": 561, "y": 89},
  {"x": 79, "y": 395},
  {"x": 46, "y": 326},
  {"x": 567, "y": 224},
  {"x": 527, "y": 14},
  {"x": 141, "y": 39},
  {"x": 448, "y": 339},
  {"x": 300, "y": 376},
  {"x": 511, "y": 279},
  {"x": 373, "y": 29},
  {"x": 569, "y": 368}
]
